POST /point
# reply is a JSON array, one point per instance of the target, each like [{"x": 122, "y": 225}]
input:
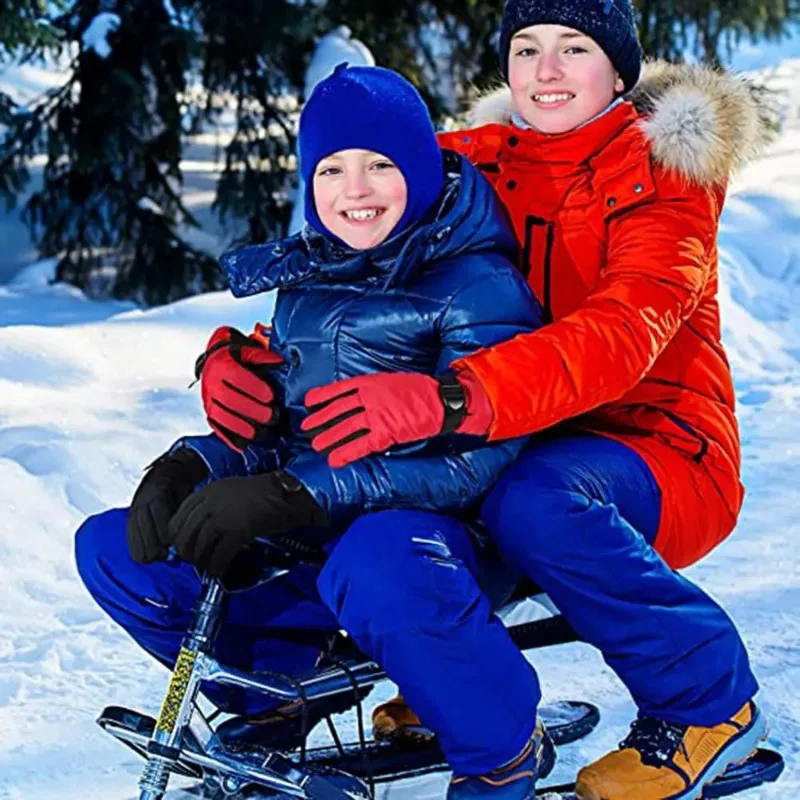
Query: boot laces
[{"x": 655, "y": 740}]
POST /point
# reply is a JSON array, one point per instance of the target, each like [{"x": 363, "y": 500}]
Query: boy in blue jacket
[{"x": 404, "y": 265}]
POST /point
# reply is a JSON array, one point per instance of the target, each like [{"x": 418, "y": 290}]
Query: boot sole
[{"x": 411, "y": 734}]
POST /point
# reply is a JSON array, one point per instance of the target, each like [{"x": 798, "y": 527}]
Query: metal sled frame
[{"x": 183, "y": 740}]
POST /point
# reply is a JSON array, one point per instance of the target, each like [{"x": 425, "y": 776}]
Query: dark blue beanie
[
  {"x": 372, "y": 108},
  {"x": 611, "y": 23}
]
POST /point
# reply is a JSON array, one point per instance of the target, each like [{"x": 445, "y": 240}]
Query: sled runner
[{"x": 184, "y": 741}]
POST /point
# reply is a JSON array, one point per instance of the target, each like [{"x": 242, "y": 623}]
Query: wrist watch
[{"x": 454, "y": 400}]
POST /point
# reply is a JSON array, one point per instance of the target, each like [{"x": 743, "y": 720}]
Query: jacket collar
[
  {"x": 569, "y": 149},
  {"x": 517, "y": 119},
  {"x": 341, "y": 263},
  {"x": 309, "y": 256}
]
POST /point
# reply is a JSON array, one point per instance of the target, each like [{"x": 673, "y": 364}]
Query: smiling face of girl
[{"x": 559, "y": 77}]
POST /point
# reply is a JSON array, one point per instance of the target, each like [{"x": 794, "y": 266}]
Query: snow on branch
[{"x": 95, "y": 37}]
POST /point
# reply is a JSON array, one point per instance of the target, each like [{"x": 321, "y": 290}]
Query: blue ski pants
[
  {"x": 400, "y": 582},
  {"x": 579, "y": 515}
]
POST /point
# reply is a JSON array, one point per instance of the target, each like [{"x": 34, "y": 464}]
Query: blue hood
[{"x": 469, "y": 219}]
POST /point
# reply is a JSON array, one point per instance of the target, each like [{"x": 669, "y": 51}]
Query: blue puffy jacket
[{"x": 414, "y": 304}]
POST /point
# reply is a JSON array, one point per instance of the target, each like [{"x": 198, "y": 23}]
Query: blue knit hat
[
  {"x": 610, "y": 23},
  {"x": 372, "y": 108}
]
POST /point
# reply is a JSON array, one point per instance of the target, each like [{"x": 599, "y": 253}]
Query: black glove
[
  {"x": 220, "y": 521},
  {"x": 169, "y": 480}
]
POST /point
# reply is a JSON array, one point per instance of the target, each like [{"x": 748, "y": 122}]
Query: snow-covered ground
[{"x": 91, "y": 392}]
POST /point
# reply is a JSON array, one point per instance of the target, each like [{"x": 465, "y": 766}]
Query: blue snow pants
[
  {"x": 400, "y": 582},
  {"x": 579, "y": 515}
]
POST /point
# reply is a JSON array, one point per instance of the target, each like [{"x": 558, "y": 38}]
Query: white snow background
[{"x": 90, "y": 392}]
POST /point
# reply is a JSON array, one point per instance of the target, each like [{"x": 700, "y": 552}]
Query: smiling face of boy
[
  {"x": 559, "y": 77},
  {"x": 360, "y": 196}
]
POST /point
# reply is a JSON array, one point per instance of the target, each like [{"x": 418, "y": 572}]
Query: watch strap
[{"x": 454, "y": 399}]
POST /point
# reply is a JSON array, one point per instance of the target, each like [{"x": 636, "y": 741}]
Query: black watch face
[
  {"x": 453, "y": 397},
  {"x": 456, "y": 403}
]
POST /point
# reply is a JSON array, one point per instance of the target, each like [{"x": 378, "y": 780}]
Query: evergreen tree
[
  {"x": 26, "y": 27},
  {"x": 26, "y": 33},
  {"x": 710, "y": 29},
  {"x": 255, "y": 54},
  {"x": 444, "y": 47},
  {"x": 110, "y": 206}
]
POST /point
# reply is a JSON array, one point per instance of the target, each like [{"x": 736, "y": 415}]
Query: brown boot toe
[{"x": 395, "y": 720}]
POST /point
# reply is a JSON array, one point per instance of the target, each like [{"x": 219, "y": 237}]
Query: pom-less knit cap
[
  {"x": 372, "y": 108},
  {"x": 611, "y": 23}
]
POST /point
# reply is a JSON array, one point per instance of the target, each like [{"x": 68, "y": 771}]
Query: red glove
[
  {"x": 357, "y": 417},
  {"x": 234, "y": 373}
]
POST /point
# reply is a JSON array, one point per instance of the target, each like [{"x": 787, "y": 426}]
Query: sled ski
[
  {"x": 764, "y": 766},
  {"x": 381, "y": 761}
]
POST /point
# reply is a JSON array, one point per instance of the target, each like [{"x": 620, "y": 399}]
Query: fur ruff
[{"x": 701, "y": 122}]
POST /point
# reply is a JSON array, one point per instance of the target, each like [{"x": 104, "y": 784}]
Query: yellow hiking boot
[
  {"x": 395, "y": 720},
  {"x": 663, "y": 761}
]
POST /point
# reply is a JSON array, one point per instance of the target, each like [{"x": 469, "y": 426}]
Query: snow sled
[{"x": 184, "y": 741}]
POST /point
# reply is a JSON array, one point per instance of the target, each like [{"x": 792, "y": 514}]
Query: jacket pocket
[
  {"x": 645, "y": 420},
  {"x": 700, "y": 449}
]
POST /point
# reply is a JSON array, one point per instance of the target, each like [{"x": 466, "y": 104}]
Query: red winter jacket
[{"x": 618, "y": 223}]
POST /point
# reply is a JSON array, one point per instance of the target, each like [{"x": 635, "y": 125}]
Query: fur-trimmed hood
[{"x": 702, "y": 122}]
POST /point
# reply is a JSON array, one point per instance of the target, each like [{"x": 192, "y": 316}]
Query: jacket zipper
[
  {"x": 687, "y": 428},
  {"x": 532, "y": 222},
  {"x": 548, "y": 255}
]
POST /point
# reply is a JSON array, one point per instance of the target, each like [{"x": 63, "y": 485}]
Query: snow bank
[{"x": 95, "y": 37}]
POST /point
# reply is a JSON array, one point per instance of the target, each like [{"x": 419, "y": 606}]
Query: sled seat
[{"x": 525, "y": 589}]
